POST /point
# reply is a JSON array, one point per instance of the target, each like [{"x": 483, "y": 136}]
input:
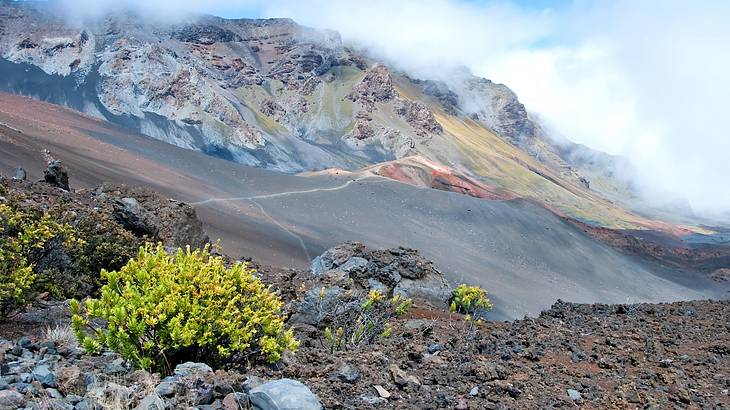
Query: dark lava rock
[
  {"x": 56, "y": 175},
  {"x": 348, "y": 373}
]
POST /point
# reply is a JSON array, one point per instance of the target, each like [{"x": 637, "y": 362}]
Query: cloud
[
  {"x": 647, "y": 80},
  {"x": 644, "y": 79}
]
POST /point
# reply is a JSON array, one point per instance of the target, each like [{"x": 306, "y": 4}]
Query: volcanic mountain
[{"x": 246, "y": 104}]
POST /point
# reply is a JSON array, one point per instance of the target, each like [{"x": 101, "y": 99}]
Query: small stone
[
  {"x": 20, "y": 174},
  {"x": 151, "y": 402},
  {"x": 24, "y": 342},
  {"x": 252, "y": 382},
  {"x": 401, "y": 378},
  {"x": 26, "y": 377},
  {"x": 381, "y": 391},
  {"x": 370, "y": 400},
  {"x": 436, "y": 347},
  {"x": 45, "y": 376},
  {"x": 54, "y": 394},
  {"x": 203, "y": 393},
  {"x": 235, "y": 401},
  {"x": 73, "y": 399},
  {"x": 284, "y": 394},
  {"x": 11, "y": 400},
  {"x": 189, "y": 368},
  {"x": 348, "y": 373},
  {"x": 574, "y": 394},
  {"x": 169, "y": 389},
  {"x": 115, "y": 367},
  {"x": 474, "y": 391},
  {"x": 84, "y": 405},
  {"x": 4, "y": 385}
]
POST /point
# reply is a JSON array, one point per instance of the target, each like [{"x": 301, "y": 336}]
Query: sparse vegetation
[
  {"x": 470, "y": 300},
  {"x": 161, "y": 309},
  {"x": 358, "y": 321},
  {"x": 26, "y": 237}
]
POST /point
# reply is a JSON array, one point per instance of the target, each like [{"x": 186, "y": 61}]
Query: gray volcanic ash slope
[{"x": 524, "y": 254}]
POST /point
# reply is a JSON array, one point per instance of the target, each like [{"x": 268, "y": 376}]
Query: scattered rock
[
  {"x": 381, "y": 391},
  {"x": 283, "y": 394},
  {"x": 402, "y": 378},
  {"x": 235, "y": 401},
  {"x": 45, "y": 376},
  {"x": 574, "y": 394},
  {"x": 11, "y": 400},
  {"x": 151, "y": 402}
]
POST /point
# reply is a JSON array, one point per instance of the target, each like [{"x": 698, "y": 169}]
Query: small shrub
[
  {"x": 360, "y": 321},
  {"x": 470, "y": 300},
  {"x": 107, "y": 245},
  {"x": 25, "y": 239},
  {"x": 161, "y": 310}
]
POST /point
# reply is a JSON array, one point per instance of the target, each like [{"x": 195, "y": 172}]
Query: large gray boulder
[{"x": 283, "y": 394}]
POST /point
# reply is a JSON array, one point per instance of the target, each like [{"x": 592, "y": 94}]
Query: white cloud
[
  {"x": 647, "y": 80},
  {"x": 644, "y": 79}
]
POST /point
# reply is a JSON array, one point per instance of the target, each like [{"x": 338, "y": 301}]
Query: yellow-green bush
[
  {"x": 162, "y": 309},
  {"x": 24, "y": 237},
  {"x": 360, "y": 321},
  {"x": 469, "y": 299}
]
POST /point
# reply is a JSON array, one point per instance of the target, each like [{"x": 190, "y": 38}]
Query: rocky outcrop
[
  {"x": 206, "y": 34},
  {"x": 395, "y": 271},
  {"x": 376, "y": 86},
  {"x": 418, "y": 116},
  {"x": 56, "y": 175},
  {"x": 147, "y": 213}
]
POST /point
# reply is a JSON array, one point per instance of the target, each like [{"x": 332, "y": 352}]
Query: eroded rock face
[
  {"x": 419, "y": 116},
  {"x": 376, "y": 86}
]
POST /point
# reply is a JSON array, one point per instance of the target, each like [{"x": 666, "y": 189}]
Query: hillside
[
  {"x": 276, "y": 95},
  {"x": 507, "y": 246}
]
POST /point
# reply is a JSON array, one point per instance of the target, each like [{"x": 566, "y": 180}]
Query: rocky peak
[{"x": 376, "y": 86}]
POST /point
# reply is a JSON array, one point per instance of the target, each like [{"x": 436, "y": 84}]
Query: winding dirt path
[{"x": 252, "y": 200}]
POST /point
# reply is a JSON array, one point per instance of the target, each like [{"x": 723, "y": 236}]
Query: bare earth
[{"x": 525, "y": 255}]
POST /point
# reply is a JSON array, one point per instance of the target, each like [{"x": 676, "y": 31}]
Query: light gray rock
[
  {"x": 354, "y": 264},
  {"x": 11, "y": 400},
  {"x": 151, "y": 402},
  {"x": 284, "y": 394},
  {"x": 431, "y": 287},
  {"x": 574, "y": 394},
  {"x": 189, "y": 368},
  {"x": 311, "y": 309},
  {"x": 45, "y": 376},
  {"x": 169, "y": 389},
  {"x": 115, "y": 367},
  {"x": 20, "y": 174}
]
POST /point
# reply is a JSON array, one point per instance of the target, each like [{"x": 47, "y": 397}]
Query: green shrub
[
  {"x": 25, "y": 238},
  {"x": 107, "y": 245},
  {"x": 360, "y": 321},
  {"x": 469, "y": 300},
  {"x": 161, "y": 310}
]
